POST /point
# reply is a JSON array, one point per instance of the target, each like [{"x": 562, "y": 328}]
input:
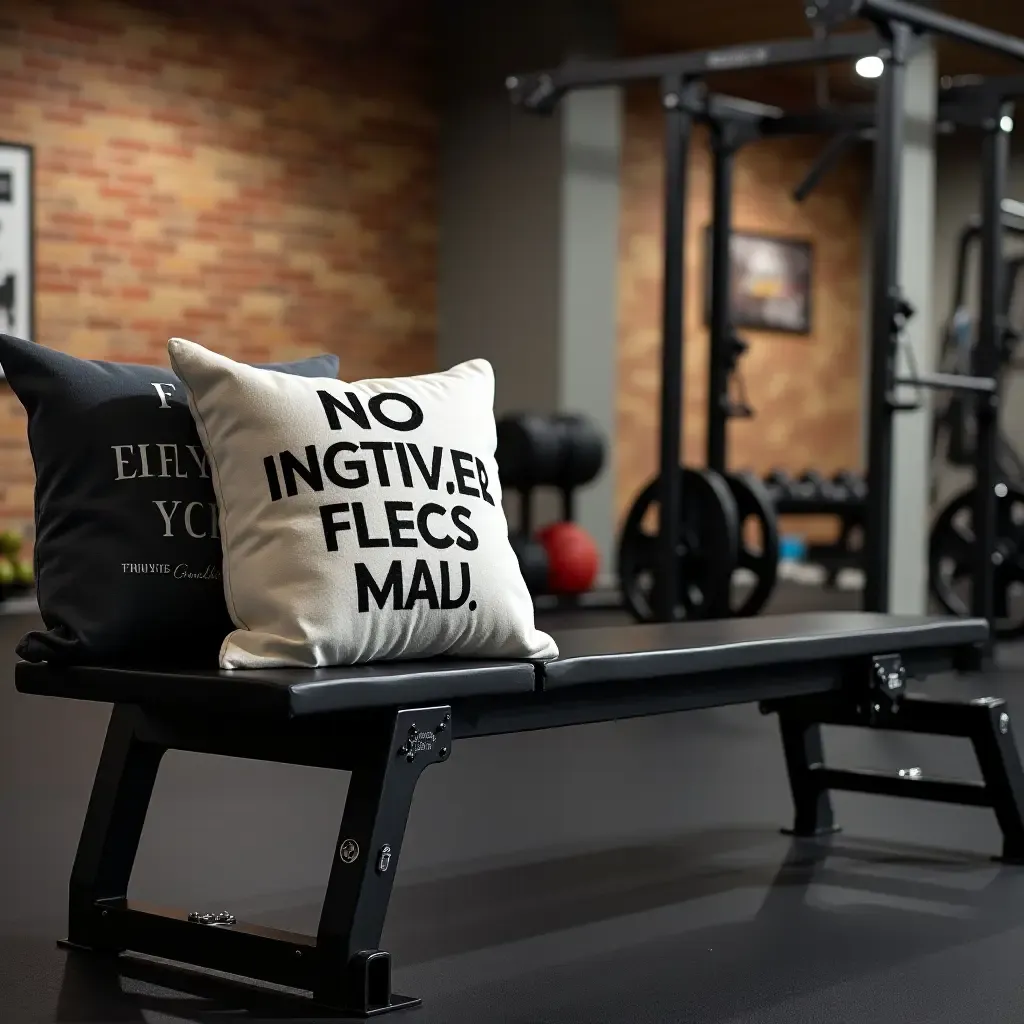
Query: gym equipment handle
[
  {"x": 834, "y": 150},
  {"x": 952, "y": 382}
]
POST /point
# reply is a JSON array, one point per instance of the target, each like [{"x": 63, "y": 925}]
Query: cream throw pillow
[{"x": 360, "y": 521}]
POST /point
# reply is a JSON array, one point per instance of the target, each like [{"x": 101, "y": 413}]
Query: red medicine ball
[{"x": 573, "y": 560}]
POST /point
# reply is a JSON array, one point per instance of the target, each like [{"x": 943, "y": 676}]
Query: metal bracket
[
  {"x": 221, "y": 918},
  {"x": 732, "y": 135},
  {"x": 887, "y": 685},
  {"x": 871, "y": 699},
  {"x": 427, "y": 741},
  {"x": 830, "y": 14},
  {"x": 683, "y": 95},
  {"x": 536, "y": 93}
]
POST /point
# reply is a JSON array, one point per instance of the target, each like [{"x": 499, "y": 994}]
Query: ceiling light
[
  {"x": 1006, "y": 123},
  {"x": 870, "y": 67}
]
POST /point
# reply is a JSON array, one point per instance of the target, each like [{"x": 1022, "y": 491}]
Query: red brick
[
  {"x": 143, "y": 65},
  {"x": 87, "y": 105},
  {"x": 64, "y": 117},
  {"x": 68, "y": 33},
  {"x": 135, "y": 178},
  {"x": 90, "y": 238},
  {"x": 134, "y": 144},
  {"x": 184, "y": 152},
  {"x": 82, "y": 220},
  {"x": 39, "y": 62},
  {"x": 141, "y": 211},
  {"x": 119, "y": 192},
  {"x": 204, "y": 316}
]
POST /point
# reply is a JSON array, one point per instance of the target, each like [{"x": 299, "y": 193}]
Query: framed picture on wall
[
  {"x": 17, "y": 255},
  {"x": 770, "y": 282}
]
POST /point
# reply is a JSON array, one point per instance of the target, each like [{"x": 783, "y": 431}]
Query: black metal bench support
[
  {"x": 882, "y": 703},
  {"x": 343, "y": 966}
]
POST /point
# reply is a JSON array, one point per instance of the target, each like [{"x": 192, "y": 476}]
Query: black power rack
[{"x": 685, "y": 100}]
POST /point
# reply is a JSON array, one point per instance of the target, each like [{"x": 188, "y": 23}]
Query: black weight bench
[{"x": 385, "y": 723}]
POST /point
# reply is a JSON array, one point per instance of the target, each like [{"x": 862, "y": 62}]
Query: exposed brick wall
[
  {"x": 254, "y": 175},
  {"x": 806, "y": 389}
]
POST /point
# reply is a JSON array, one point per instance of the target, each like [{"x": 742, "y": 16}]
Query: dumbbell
[
  {"x": 528, "y": 451},
  {"x": 831, "y": 491},
  {"x": 533, "y": 562},
  {"x": 779, "y": 485},
  {"x": 852, "y": 485},
  {"x": 581, "y": 450},
  {"x": 564, "y": 451},
  {"x": 842, "y": 485},
  {"x": 809, "y": 486}
]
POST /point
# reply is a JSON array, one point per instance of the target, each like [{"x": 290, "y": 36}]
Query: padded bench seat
[
  {"x": 670, "y": 650},
  {"x": 292, "y": 692}
]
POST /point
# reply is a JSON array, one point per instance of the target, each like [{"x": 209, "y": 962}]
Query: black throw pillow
[{"x": 127, "y": 549}]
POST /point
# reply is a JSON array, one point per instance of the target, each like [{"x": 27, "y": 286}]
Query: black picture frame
[
  {"x": 17, "y": 240},
  {"x": 775, "y": 294}
]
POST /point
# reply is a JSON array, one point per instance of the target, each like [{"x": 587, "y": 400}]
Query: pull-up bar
[
  {"x": 830, "y": 14},
  {"x": 541, "y": 91}
]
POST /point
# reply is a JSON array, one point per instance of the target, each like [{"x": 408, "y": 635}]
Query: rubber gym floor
[{"x": 626, "y": 872}]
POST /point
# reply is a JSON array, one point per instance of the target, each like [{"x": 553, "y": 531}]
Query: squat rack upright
[
  {"x": 684, "y": 99},
  {"x": 898, "y": 22}
]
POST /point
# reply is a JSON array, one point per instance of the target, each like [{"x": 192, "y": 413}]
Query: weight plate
[
  {"x": 951, "y": 559},
  {"x": 758, "y": 544},
  {"x": 705, "y": 558}
]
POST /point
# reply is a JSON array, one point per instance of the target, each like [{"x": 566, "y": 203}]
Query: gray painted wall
[
  {"x": 591, "y": 146},
  {"x": 499, "y": 272},
  {"x": 908, "y": 549},
  {"x": 529, "y": 222}
]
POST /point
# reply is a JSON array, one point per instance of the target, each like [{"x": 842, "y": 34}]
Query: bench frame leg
[
  {"x": 112, "y": 830},
  {"x": 812, "y": 804},
  {"x": 343, "y": 966},
  {"x": 984, "y": 721}
]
